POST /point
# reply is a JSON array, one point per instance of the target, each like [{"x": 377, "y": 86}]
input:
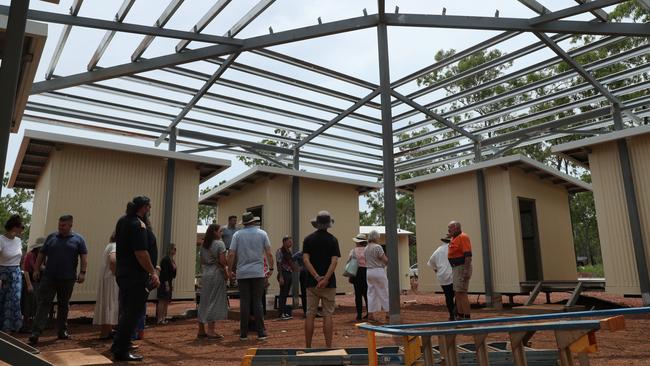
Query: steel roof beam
[
  {"x": 266, "y": 157},
  {"x": 516, "y": 24},
  {"x": 645, "y": 4},
  {"x": 277, "y": 56},
  {"x": 577, "y": 67},
  {"x": 530, "y": 117},
  {"x": 338, "y": 118},
  {"x": 177, "y": 104},
  {"x": 85, "y": 22},
  {"x": 199, "y": 94},
  {"x": 435, "y": 116},
  {"x": 63, "y": 38},
  {"x": 108, "y": 36},
  {"x": 272, "y": 93},
  {"x": 231, "y": 141},
  {"x": 542, "y": 83},
  {"x": 204, "y": 21},
  {"x": 574, "y": 10},
  {"x": 598, "y": 13},
  {"x": 155, "y": 63},
  {"x": 294, "y": 82},
  {"x": 520, "y": 73},
  {"x": 166, "y": 15}
]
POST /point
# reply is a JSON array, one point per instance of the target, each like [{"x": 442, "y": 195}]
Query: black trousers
[
  {"x": 303, "y": 291},
  {"x": 49, "y": 288},
  {"x": 360, "y": 283},
  {"x": 449, "y": 298},
  {"x": 284, "y": 293},
  {"x": 251, "y": 293},
  {"x": 132, "y": 299}
]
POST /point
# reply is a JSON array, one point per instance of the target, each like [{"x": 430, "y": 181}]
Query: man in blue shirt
[
  {"x": 62, "y": 251},
  {"x": 248, "y": 248}
]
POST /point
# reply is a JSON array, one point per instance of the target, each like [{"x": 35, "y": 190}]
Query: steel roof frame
[{"x": 228, "y": 46}]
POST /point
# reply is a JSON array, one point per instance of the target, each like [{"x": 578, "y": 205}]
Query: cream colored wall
[
  {"x": 403, "y": 253},
  {"x": 616, "y": 244},
  {"x": 506, "y": 259},
  {"x": 613, "y": 222},
  {"x": 186, "y": 193},
  {"x": 94, "y": 186},
  {"x": 436, "y": 204},
  {"x": 342, "y": 201},
  {"x": 553, "y": 222}
]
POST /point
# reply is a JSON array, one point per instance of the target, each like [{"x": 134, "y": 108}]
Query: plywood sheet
[{"x": 75, "y": 357}]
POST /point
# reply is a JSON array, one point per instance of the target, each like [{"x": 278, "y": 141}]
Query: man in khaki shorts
[
  {"x": 320, "y": 255},
  {"x": 460, "y": 258}
]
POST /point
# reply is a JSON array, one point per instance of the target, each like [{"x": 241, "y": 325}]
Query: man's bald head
[{"x": 454, "y": 228}]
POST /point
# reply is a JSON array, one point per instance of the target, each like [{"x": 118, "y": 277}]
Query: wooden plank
[
  {"x": 412, "y": 349},
  {"x": 333, "y": 352},
  {"x": 452, "y": 351},
  {"x": 613, "y": 323},
  {"x": 75, "y": 357},
  {"x": 427, "y": 351},
  {"x": 373, "y": 360}
]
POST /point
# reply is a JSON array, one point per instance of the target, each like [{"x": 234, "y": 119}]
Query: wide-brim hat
[
  {"x": 248, "y": 218},
  {"x": 360, "y": 238},
  {"x": 323, "y": 220},
  {"x": 37, "y": 244}
]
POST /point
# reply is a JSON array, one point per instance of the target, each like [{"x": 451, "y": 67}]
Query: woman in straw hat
[{"x": 359, "y": 281}]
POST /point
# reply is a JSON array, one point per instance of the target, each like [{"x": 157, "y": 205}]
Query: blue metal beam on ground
[{"x": 526, "y": 318}]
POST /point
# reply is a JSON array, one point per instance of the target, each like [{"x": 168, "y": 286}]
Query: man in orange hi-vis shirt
[{"x": 460, "y": 258}]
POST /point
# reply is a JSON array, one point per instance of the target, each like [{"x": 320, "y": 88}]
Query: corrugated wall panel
[
  {"x": 613, "y": 222},
  {"x": 94, "y": 186},
  {"x": 186, "y": 199},
  {"x": 436, "y": 204},
  {"x": 553, "y": 224},
  {"x": 506, "y": 267},
  {"x": 640, "y": 155}
]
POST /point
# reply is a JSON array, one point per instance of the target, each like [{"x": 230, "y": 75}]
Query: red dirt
[{"x": 176, "y": 343}]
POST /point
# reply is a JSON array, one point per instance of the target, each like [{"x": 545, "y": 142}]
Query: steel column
[
  {"x": 168, "y": 217},
  {"x": 390, "y": 205},
  {"x": 295, "y": 222},
  {"x": 632, "y": 209},
  {"x": 485, "y": 238},
  {"x": 10, "y": 73}
]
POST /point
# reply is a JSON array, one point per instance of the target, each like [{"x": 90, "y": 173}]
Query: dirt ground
[{"x": 176, "y": 342}]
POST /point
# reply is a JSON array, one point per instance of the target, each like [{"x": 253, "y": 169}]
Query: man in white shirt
[{"x": 440, "y": 264}]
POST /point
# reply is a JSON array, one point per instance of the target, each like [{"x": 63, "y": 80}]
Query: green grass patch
[{"x": 594, "y": 270}]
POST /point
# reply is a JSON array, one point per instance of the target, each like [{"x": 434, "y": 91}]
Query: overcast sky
[{"x": 354, "y": 53}]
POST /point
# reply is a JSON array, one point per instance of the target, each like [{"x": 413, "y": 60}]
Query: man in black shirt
[
  {"x": 320, "y": 254},
  {"x": 134, "y": 272}
]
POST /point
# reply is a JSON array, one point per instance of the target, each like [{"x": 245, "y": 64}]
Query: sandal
[{"x": 215, "y": 336}]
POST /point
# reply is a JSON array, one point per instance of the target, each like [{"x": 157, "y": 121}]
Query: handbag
[{"x": 351, "y": 268}]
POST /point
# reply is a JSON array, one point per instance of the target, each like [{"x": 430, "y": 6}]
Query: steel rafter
[
  {"x": 199, "y": 94},
  {"x": 516, "y": 24},
  {"x": 166, "y": 15},
  {"x": 63, "y": 38},
  {"x": 108, "y": 36},
  {"x": 199, "y": 54}
]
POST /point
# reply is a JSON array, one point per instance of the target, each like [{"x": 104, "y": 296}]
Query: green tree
[
  {"x": 265, "y": 162},
  {"x": 15, "y": 203}
]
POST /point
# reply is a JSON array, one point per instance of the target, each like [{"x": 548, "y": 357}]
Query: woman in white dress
[
  {"x": 106, "y": 307},
  {"x": 376, "y": 262}
]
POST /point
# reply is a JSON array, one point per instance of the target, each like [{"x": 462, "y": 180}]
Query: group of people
[
  {"x": 370, "y": 281},
  {"x": 452, "y": 263},
  {"x": 48, "y": 269}
]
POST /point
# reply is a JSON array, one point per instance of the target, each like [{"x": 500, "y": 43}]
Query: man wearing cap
[
  {"x": 320, "y": 254},
  {"x": 439, "y": 262},
  {"x": 248, "y": 248},
  {"x": 460, "y": 258},
  {"x": 63, "y": 251},
  {"x": 135, "y": 274}
]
